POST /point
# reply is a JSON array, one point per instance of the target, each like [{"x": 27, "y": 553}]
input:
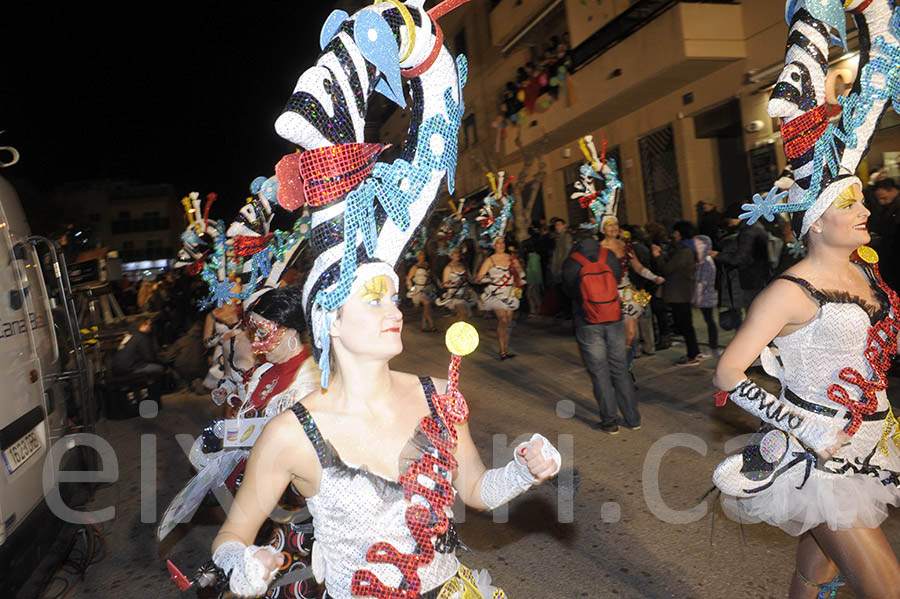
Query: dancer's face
[
  {"x": 611, "y": 229},
  {"x": 844, "y": 222},
  {"x": 499, "y": 245},
  {"x": 370, "y": 322},
  {"x": 454, "y": 256}
]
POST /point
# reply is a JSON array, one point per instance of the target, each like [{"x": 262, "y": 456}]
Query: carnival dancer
[
  {"x": 224, "y": 333},
  {"x": 825, "y": 464},
  {"x": 421, "y": 289},
  {"x": 276, "y": 325},
  {"x": 458, "y": 294},
  {"x": 633, "y": 302},
  {"x": 504, "y": 277},
  {"x": 380, "y": 529}
]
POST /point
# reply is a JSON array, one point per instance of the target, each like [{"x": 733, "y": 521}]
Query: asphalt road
[{"x": 637, "y": 525}]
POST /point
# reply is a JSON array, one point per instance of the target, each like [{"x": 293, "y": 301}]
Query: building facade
[{"x": 677, "y": 89}]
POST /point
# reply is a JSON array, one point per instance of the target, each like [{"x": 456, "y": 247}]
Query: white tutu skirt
[{"x": 840, "y": 501}]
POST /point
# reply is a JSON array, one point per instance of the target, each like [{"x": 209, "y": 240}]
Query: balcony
[{"x": 681, "y": 45}]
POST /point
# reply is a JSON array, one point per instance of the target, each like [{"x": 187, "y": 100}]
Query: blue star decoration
[
  {"x": 762, "y": 206},
  {"x": 796, "y": 249}
]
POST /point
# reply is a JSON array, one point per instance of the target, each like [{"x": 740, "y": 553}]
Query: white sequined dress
[
  {"x": 846, "y": 491},
  {"x": 355, "y": 509}
]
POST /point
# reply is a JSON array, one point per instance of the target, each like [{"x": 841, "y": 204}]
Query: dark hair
[
  {"x": 283, "y": 305},
  {"x": 557, "y": 219},
  {"x": 685, "y": 228},
  {"x": 886, "y": 184}
]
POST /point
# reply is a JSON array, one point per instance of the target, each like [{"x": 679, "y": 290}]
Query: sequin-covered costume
[
  {"x": 500, "y": 292},
  {"x": 457, "y": 291},
  {"x": 631, "y": 309},
  {"x": 355, "y": 509},
  {"x": 422, "y": 288},
  {"x": 820, "y": 362}
]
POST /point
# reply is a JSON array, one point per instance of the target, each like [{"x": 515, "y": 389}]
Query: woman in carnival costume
[
  {"x": 501, "y": 271},
  {"x": 421, "y": 289},
  {"x": 824, "y": 465},
  {"x": 604, "y": 204},
  {"x": 458, "y": 294},
  {"x": 456, "y": 279},
  {"x": 380, "y": 531}
]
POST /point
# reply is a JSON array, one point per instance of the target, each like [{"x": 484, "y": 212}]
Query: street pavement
[{"x": 626, "y": 518}]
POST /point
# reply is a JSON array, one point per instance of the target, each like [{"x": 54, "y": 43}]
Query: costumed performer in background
[
  {"x": 380, "y": 531},
  {"x": 824, "y": 465}
]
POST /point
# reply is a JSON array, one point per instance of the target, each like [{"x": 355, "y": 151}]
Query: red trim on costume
[
  {"x": 247, "y": 245},
  {"x": 438, "y": 44},
  {"x": 802, "y": 133},
  {"x": 329, "y": 173},
  {"x": 859, "y": 9},
  {"x": 881, "y": 345},
  {"x": 423, "y": 522},
  {"x": 721, "y": 398}
]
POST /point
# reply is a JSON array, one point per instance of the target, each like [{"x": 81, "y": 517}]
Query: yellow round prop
[
  {"x": 461, "y": 339},
  {"x": 868, "y": 254}
]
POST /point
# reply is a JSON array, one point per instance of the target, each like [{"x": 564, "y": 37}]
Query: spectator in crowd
[
  {"x": 708, "y": 218},
  {"x": 884, "y": 227},
  {"x": 705, "y": 295},
  {"x": 562, "y": 246},
  {"x": 679, "y": 270},
  {"x": 752, "y": 256},
  {"x": 602, "y": 344},
  {"x": 656, "y": 234},
  {"x": 136, "y": 353},
  {"x": 187, "y": 356},
  {"x": 535, "y": 276}
]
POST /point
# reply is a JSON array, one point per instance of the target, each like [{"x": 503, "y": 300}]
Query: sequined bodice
[
  {"x": 356, "y": 508},
  {"x": 836, "y": 338}
]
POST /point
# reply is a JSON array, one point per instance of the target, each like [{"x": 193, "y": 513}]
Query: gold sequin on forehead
[{"x": 374, "y": 288}]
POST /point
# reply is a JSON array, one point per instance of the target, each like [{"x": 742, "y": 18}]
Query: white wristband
[
  {"x": 500, "y": 485},
  {"x": 246, "y": 571},
  {"x": 648, "y": 274}
]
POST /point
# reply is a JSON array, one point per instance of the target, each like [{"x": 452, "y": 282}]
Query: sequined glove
[
  {"x": 648, "y": 274},
  {"x": 818, "y": 432},
  {"x": 246, "y": 572},
  {"x": 500, "y": 485}
]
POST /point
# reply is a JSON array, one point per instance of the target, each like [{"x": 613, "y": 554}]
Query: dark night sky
[{"x": 157, "y": 93}]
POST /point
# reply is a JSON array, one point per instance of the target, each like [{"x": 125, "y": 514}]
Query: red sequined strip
[
  {"x": 881, "y": 345},
  {"x": 585, "y": 201},
  {"x": 423, "y": 522},
  {"x": 247, "y": 245},
  {"x": 802, "y": 133},
  {"x": 859, "y": 9},
  {"x": 721, "y": 398},
  {"x": 197, "y": 266},
  {"x": 330, "y": 173}
]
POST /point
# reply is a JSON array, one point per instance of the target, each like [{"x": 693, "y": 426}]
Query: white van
[{"x": 37, "y": 381}]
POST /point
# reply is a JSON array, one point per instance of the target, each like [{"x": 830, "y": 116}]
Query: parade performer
[
  {"x": 504, "y": 278},
  {"x": 380, "y": 531},
  {"x": 824, "y": 466},
  {"x": 604, "y": 204},
  {"x": 421, "y": 289},
  {"x": 501, "y": 272},
  {"x": 458, "y": 294}
]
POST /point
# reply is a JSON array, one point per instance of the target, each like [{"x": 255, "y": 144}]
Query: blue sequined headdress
[
  {"x": 376, "y": 219},
  {"x": 496, "y": 212},
  {"x": 824, "y": 152},
  {"x": 603, "y": 203}
]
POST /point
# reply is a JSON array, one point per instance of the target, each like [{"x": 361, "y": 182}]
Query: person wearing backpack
[{"x": 590, "y": 276}]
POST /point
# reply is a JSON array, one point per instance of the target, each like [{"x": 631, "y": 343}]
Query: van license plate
[{"x": 21, "y": 450}]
